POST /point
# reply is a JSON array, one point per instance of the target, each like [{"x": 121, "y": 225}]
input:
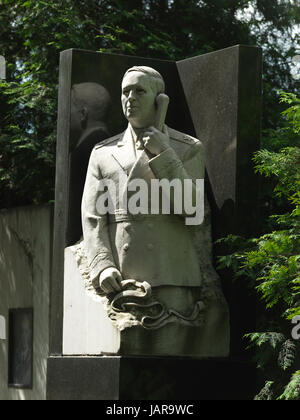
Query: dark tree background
[{"x": 33, "y": 32}]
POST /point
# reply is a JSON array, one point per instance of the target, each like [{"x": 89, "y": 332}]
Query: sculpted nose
[{"x": 131, "y": 95}]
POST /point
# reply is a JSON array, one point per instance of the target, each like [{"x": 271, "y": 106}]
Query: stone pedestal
[{"x": 152, "y": 378}]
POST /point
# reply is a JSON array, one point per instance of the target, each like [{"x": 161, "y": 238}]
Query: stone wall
[{"x": 25, "y": 266}]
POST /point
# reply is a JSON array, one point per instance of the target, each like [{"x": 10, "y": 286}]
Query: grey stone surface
[
  {"x": 2, "y": 328},
  {"x": 20, "y": 358},
  {"x": 152, "y": 378},
  {"x": 83, "y": 378},
  {"x": 25, "y": 266},
  {"x": 87, "y": 330},
  {"x": 223, "y": 90}
]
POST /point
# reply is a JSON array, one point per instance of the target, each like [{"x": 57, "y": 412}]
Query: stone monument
[
  {"x": 137, "y": 307},
  {"x": 161, "y": 291}
]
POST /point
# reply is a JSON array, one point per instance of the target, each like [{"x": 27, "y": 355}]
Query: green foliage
[
  {"x": 33, "y": 32},
  {"x": 273, "y": 339},
  {"x": 287, "y": 354},
  {"x": 272, "y": 265},
  {"x": 281, "y": 165},
  {"x": 272, "y": 22},
  {"x": 266, "y": 393},
  {"x": 293, "y": 112},
  {"x": 292, "y": 390},
  {"x": 27, "y": 142}
]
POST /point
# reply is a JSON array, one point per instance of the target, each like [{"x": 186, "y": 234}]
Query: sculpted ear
[{"x": 83, "y": 115}]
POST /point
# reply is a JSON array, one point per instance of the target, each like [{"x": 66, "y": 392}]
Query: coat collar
[{"x": 127, "y": 137}]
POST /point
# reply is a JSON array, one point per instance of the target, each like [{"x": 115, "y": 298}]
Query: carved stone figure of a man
[
  {"x": 89, "y": 106},
  {"x": 157, "y": 251}
]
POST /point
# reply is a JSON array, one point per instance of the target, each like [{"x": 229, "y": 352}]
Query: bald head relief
[
  {"x": 90, "y": 103},
  {"x": 92, "y": 97}
]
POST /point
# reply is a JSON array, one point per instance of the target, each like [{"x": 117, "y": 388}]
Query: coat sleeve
[
  {"x": 95, "y": 226},
  {"x": 168, "y": 165}
]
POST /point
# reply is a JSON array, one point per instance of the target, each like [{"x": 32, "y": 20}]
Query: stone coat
[{"x": 159, "y": 248}]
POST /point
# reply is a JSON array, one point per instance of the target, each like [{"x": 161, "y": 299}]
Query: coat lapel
[
  {"x": 123, "y": 153},
  {"x": 141, "y": 169}
]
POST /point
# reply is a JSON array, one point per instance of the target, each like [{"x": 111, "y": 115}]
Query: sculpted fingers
[
  {"x": 150, "y": 133},
  {"x": 156, "y": 141},
  {"x": 150, "y": 141},
  {"x": 110, "y": 285},
  {"x": 146, "y": 140},
  {"x": 106, "y": 286},
  {"x": 147, "y": 135},
  {"x": 116, "y": 280},
  {"x": 110, "y": 280},
  {"x": 115, "y": 285}
]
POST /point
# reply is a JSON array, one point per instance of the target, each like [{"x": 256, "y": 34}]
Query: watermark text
[
  {"x": 180, "y": 197},
  {"x": 296, "y": 330}
]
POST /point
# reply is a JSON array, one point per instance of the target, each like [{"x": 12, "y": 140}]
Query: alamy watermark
[
  {"x": 296, "y": 330},
  {"x": 2, "y": 67},
  {"x": 179, "y": 197}
]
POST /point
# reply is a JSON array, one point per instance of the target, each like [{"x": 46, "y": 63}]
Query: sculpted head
[
  {"x": 140, "y": 87},
  {"x": 89, "y": 105}
]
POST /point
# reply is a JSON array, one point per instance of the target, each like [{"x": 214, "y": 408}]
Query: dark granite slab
[{"x": 141, "y": 378}]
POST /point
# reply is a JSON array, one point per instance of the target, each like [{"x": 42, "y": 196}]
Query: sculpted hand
[
  {"x": 156, "y": 141},
  {"x": 110, "y": 280}
]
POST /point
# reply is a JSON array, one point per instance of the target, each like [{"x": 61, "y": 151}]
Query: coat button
[
  {"x": 150, "y": 247},
  {"x": 150, "y": 225},
  {"x": 126, "y": 247}
]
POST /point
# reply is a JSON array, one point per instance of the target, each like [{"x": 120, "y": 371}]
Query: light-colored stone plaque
[{"x": 2, "y": 328}]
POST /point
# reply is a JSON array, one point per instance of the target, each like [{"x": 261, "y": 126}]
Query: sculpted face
[{"x": 138, "y": 99}]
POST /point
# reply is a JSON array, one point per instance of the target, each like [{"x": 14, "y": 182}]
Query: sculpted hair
[{"x": 157, "y": 80}]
